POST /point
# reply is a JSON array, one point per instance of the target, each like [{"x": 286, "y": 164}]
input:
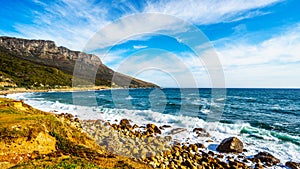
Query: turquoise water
[
  {"x": 266, "y": 119},
  {"x": 270, "y": 109}
]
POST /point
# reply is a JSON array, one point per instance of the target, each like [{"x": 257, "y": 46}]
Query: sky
[{"x": 173, "y": 43}]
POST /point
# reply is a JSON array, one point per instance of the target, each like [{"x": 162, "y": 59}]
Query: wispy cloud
[
  {"x": 112, "y": 58},
  {"x": 135, "y": 27},
  {"x": 210, "y": 11},
  {"x": 279, "y": 49},
  {"x": 139, "y": 46},
  {"x": 69, "y": 23},
  {"x": 73, "y": 23},
  {"x": 274, "y": 62},
  {"x": 155, "y": 65}
]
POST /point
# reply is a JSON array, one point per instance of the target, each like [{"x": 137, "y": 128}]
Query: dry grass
[{"x": 30, "y": 138}]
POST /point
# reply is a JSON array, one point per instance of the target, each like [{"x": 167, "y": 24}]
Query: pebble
[{"x": 146, "y": 144}]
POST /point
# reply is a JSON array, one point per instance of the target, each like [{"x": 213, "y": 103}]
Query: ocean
[{"x": 264, "y": 119}]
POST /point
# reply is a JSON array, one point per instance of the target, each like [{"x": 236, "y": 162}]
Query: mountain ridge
[{"x": 88, "y": 68}]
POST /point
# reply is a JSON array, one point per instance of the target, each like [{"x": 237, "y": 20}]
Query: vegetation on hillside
[
  {"x": 16, "y": 71},
  {"x": 30, "y": 75},
  {"x": 30, "y": 138}
]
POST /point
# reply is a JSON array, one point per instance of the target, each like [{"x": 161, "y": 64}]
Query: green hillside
[
  {"x": 30, "y": 75},
  {"x": 40, "y": 64}
]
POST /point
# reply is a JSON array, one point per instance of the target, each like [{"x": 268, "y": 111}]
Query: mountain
[{"x": 33, "y": 63}]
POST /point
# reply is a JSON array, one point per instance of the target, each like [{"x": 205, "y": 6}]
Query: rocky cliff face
[
  {"x": 47, "y": 50},
  {"x": 86, "y": 66}
]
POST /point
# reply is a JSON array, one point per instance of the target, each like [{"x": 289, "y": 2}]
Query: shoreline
[
  {"x": 68, "y": 89},
  {"x": 145, "y": 143},
  {"x": 112, "y": 121}
]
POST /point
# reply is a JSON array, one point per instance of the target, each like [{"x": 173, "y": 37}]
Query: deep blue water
[
  {"x": 265, "y": 119},
  {"x": 270, "y": 109}
]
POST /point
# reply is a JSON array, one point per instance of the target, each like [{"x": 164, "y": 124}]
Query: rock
[
  {"x": 168, "y": 138},
  {"x": 209, "y": 141},
  {"x": 166, "y": 126},
  {"x": 200, "y": 145},
  {"x": 135, "y": 126},
  {"x": 201, "y": 132},
  {"x": 151, "y": 126},
  {"x": 267, "y": 158},
  {"x": 231, "y": 144},
  {"x": 167, "y": 153},
  {"x": 211, "y": 153},
  {"x": 190, "y": 164},
  {"x": 220, "y": 155},
  {"x": 241, "y": 157},
  {"x": 157, "y": 130},
  {"x": 193, "y": 147},
  {"x": 177, "y": 130},
  {"x": 293, "y": 165},
  {"x": 124, "y": 122},
  {"x": 106, "y": 123},
  {"x": 69, "y": 116},
  {"x": 259, "y": 165}
]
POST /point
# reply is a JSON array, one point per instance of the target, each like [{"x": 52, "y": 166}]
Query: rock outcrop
[
  {"x": 45, "y": 51},
  {"x": 267, "y": 158},
  {"x": 231, "y": 144},
  {"x": 201, "y": 132},
  {"x": 292, "y": 165},
  {"x": 86, "y": 66}
]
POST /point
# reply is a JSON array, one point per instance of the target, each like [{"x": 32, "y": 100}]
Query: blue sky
[{"x": 257, "y": 42}]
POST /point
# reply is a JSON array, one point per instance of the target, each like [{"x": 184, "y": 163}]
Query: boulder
[
  {"x": 292, "y": 165},
  {"x": 200, "y": 145},
  {"x": 135, "y": 126},
  {"x": 267, "y": 158},
  {"x": 193, "y": 147},
  {"x": 152, "y": 128},
  {"x": 124, "y": 122},
  {"x": 157, "y": 130},
  {"x": 201, "y": 132},
  {"x": 231, "y": 144}
]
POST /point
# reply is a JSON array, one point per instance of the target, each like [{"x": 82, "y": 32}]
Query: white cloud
[
  {"x": 274, "y": 62},
  {"x": 72, "y": 23},
  {"x": 139, "y": 46},
  {"x": 210, "y": 11},
  {"x": 268, "y": 63},
  {"x": 261, "y": 76},
  {"x": 135, "y": 27},
  {"x": 112, "y": 58},
  {"x": 69, "y": 23},
  {"x": 164, "y": 68},
  {"x": 280, "y": 49}
]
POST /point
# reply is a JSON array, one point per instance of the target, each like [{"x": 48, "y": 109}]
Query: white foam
[{"x": 285, "y": 151}]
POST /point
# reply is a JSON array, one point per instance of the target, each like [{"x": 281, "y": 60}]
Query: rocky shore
[
  {"x": 146, "y": 144},
  {"x": 30, "y": 138},
  {"x": 34, "y": 139}
]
